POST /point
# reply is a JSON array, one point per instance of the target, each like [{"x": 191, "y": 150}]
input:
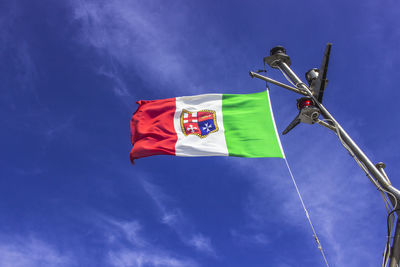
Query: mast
[{"x": 310, "y": 109}]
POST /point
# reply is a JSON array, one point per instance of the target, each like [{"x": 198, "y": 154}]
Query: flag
[{"x": 240, "y": 125}]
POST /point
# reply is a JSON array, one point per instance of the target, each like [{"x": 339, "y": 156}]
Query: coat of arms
[{"x": 200, "y": 123}]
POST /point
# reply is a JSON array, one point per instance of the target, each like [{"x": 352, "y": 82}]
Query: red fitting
[{"x": 305, "y": 103}]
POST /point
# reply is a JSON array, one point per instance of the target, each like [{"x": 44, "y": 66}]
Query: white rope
[{"x": 307, "y": 215}]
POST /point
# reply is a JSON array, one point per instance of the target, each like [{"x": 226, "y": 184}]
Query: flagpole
[{"x": 279, "y": 60}]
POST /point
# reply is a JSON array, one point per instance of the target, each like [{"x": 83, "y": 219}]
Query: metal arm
[{"x": 267, "y": 79}]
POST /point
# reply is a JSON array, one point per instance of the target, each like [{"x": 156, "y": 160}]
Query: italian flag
[{"x": 240, "y": 125}]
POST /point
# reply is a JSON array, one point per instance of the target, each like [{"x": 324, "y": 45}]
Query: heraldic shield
[{"x": 200, "y": 123}]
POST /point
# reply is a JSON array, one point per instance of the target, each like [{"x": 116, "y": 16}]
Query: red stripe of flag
[{"x": 152, "y": 128}]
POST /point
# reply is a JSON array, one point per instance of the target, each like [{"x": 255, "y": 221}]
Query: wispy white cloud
[
  {"x": 60, "y": 127},
  {"x": 6, "y": 22},
  {"x": 26, "y": 68},
  {"x": 120, "y": 87},
  {"x": 31, "y": 252},
  {"x": 174, "y": 218},
  {"x": 22, "y": 63},
  {"x": 132, "y": 258},
  {"x": 382, "y": 30},
  {"x": 133, "y": 35},
  {"x": 250, "y": 239},
  {"x": 202, "y": 243},
  {"x": 122, "y": 230},
  {"x": 128, "y": 246}
]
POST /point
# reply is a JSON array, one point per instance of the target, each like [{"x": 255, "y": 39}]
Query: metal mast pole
[
  {"x": 279, "y": 60},
  {"x": 395, "y": 249}
]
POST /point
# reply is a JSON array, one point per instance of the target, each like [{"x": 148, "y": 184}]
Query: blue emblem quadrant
[{"x": 206, "y": 127}]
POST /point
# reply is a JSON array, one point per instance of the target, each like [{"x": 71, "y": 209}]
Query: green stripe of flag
[{"x": 249, "y": 126}]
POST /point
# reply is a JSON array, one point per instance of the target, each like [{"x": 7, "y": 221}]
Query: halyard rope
[{"x": 307, "y": 215}]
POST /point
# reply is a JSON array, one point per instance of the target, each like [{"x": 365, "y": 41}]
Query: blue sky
[{"x": 71, "y": 72}]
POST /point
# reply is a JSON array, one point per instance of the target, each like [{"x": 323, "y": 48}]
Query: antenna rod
[{"x": 267, "y": 79}]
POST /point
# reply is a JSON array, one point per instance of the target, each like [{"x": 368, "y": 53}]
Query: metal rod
[
  {"x": 381, "y": 166},
  {"x": 327, "y": 125},
  {"x": 267, "y": 79}
]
